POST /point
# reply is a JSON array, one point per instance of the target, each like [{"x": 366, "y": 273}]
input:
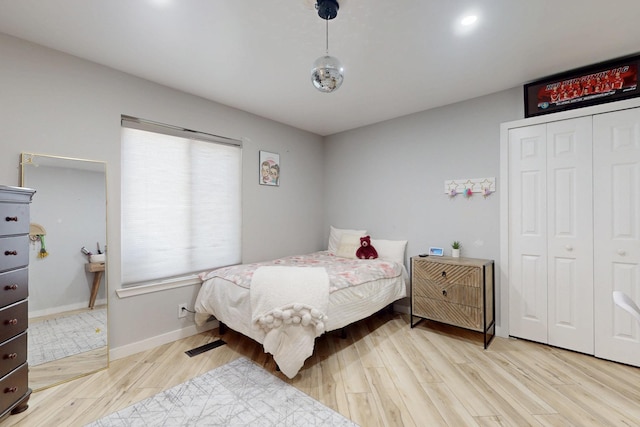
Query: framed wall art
[
  {"x": 596, "y": 84},
  {"x": 269, "y": 168}
]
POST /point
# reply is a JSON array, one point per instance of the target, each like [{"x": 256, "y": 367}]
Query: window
[{"x": 181, "y": 202}]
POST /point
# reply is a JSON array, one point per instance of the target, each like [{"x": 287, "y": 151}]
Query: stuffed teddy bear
[{"x": 366, "y": 251}]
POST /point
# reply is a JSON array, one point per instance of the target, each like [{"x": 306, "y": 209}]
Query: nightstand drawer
[
  {"x": 448, "y": 273},
  {"x": 14, "y": 286},
  {"x": 453, "y": 314},
  {"x": 449, "y": 292},
  {"x": 14, "y": 252}
]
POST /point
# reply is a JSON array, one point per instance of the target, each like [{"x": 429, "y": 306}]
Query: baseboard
[
  {"x": 65, "y": 308},
  {"x": 149, "y": 343}
]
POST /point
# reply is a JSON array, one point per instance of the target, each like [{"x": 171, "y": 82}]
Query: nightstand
[{"x": 455, "y": 291}]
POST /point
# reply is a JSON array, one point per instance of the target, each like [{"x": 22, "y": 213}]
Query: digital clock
[{"x": 436, "y": 251}]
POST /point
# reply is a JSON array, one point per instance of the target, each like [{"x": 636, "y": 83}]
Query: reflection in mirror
[{"x": 67, "y": 335}]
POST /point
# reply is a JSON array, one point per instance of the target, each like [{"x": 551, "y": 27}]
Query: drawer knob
[
  {"x": 444, "y": 274},
  {"x": 444, "y": 292},
  {"x": 7, "y": 253},
  {"x": 11, "y": 389},
  {"x": 11, "y": 356},
  {"x": 11, "y": 322},
  {"x": 11, "y": 218},
  {"x": 12, "y": 287}
]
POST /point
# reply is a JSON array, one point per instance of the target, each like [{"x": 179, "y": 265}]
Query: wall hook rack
[{"x": 468, "y": 186}]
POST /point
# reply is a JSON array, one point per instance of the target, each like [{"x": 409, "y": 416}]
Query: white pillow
[
  {"x": 349, "y": 244},
  {"x": 391, "y": 250},
  {"x": 336, "y": 234}
]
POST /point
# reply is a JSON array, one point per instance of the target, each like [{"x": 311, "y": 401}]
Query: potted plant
[{"x": 455, "y": 251}]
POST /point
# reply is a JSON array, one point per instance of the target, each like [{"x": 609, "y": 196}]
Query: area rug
[
  {"x": 239, "y": 393},
  {"x": 64, "y": 336}
]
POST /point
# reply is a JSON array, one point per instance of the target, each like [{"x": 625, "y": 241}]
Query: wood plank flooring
[{"x": 383, "y": 374}]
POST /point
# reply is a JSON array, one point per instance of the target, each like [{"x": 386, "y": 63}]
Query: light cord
[{"x": 327, "y": 33}]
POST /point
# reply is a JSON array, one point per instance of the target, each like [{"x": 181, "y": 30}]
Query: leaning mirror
[{"x": 67, "y": 335}]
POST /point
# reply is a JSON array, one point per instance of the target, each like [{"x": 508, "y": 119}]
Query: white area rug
[
  {"x": 239, "y": 393},
  {"x": 64, "y": 336}
]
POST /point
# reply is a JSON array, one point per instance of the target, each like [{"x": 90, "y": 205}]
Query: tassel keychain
[{"x": 43, "y": 250}]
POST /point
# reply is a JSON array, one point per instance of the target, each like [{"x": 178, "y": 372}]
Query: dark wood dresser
[{"x": 14, "y": 290}]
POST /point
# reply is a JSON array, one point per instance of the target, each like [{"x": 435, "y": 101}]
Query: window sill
[{"x": 158, "y": 286}]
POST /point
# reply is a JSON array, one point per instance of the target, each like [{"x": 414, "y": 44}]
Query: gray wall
[
  {"x": 389, "y": 177},
  {"x": 71, "y": 207},
  {"x": 56, "y": 104}
]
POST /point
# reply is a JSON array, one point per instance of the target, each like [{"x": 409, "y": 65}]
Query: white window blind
[{"x": 181, "y": 202}]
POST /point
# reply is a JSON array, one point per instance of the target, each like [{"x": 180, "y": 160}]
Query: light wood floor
[
  {"x": 73, "y": 366},
  {"x": 383, "y": 374}
]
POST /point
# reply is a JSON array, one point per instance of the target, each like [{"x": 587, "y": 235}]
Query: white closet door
[
  {"x": 617, "y": 232},
  {"x": 528, "y": 233},
  {"x": 570, "y": 234}
]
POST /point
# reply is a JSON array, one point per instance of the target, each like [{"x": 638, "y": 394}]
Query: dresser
[
  {"x": 455, "y": 291},
  {"x": 14, "y": 290}
]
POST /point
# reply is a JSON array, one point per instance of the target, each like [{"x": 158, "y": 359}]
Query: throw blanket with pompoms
[{"x": 289, "y": 304}]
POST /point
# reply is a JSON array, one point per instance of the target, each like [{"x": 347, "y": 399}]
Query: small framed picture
[
  {"x": 436, "y": 251},
  {"x": 269, "y": 168}
]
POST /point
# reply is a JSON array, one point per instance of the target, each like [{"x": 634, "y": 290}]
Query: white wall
[
  {"x": 56, "y": 104},
  {"x": 389, "y": 177}
]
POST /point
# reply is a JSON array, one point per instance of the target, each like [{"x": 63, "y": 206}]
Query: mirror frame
[{"x": 59, "y": 371}]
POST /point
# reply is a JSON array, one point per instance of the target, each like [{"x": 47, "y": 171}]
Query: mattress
[{"x": 225, "y": 293}]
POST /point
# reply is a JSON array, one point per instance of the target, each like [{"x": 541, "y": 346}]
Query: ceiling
[{"x": 400, "y": 57}]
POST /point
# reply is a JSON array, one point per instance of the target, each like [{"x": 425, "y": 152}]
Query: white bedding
[{"x": 358, "y": 289}]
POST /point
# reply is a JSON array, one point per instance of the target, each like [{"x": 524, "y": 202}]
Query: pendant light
[{"x": 327, "y": 72}]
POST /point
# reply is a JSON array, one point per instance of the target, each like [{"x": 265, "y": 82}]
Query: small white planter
[{"x": 455, "y": 253}]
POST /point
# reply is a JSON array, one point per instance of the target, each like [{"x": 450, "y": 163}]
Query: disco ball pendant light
[{"x": 327, "y": 73}]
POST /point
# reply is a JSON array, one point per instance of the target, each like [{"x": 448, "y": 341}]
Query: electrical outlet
[{"x": 182, "y": 310}]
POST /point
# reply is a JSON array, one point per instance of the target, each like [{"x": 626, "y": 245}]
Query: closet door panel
[
  {"x": 528, "y": 233},
  {"x": 570, "y": 234},
  {"x": 617, "y": 232}
]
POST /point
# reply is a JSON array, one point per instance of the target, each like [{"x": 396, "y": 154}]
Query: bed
[{"x": 286, "y": 303}]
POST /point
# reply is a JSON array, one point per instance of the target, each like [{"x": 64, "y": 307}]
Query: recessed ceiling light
[{"x": 469, "y": 20}]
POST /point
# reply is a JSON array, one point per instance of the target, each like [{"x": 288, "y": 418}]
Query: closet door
[
  {"x": 528, "y": 233},
  {"x": 551, "y": 234},
  {"x": 617, "y": 232},
  {"x": 570, "y": 234}
]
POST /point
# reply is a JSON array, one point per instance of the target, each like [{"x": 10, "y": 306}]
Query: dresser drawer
[
  {"x": 449, "y": 292},
  {"x": 448, "y": 283},
  {"x": 448, "y": 273},
  {"x": 14, "y": 252},
  {"x": 454, "y": 314},
  {"x": 13, "y": 353},
  {"x": 13, "y": 320},
  {"x": 14, "y": 286},
  {"x": 14, "y": 386},
  {"x": 14, "y": 219}
]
